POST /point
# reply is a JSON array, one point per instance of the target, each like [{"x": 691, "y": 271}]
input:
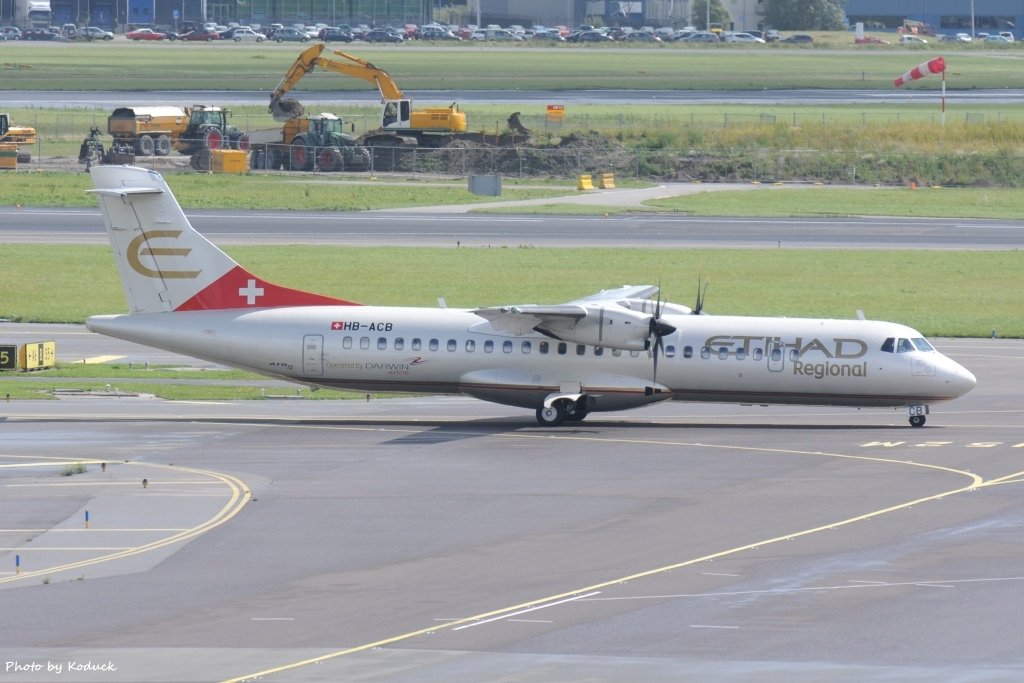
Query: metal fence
[{"x": 695, "y": 164}]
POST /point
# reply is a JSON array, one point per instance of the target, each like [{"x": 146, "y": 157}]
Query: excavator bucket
[
  {"x": 286, "y": 109},
  {"x": 516, "y": 125}
]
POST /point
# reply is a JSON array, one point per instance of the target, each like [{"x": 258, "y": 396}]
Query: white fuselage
[{"x": 707, "y": 358}]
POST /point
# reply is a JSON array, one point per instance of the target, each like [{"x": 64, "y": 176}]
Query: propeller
[
  {"x": 701, "y": 293},
  {"x": 657, "y": 329}
]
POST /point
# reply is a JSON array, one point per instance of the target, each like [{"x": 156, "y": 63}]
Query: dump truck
[
  {"x": 306, "y": 143},
  {"x": 156, "y": 131},
  {"x": 23, "y": 136}
]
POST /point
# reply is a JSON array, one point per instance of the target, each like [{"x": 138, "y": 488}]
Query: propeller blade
[{"x": 701, "y": 293}]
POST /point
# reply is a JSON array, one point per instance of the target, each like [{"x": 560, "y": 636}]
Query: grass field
[
  {"x": 939, "y": 293},
  {"x": 175, "y": 66}
]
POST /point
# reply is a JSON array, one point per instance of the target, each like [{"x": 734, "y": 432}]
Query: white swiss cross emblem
[{"x": 250, "y": 292}]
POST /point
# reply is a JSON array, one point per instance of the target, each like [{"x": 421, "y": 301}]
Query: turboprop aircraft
[{"x": 613, "y": 350}]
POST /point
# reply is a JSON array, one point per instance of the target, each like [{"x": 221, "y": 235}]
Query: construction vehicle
[
  {"x": 19, "y": 135},
  {"x": 155, "y": 131},
  {"x": 400, "y": 124},
  {"x": 308, "y": 142}
]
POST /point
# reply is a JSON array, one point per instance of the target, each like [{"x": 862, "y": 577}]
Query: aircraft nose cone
[{"x": 963, "y": 380}]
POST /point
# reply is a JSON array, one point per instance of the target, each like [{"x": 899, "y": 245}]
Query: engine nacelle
[{"x": 611, "y": 327}]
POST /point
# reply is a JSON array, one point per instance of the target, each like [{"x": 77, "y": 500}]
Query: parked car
[
  {"x": 200, "y": 34},
  {"x": 641, "y": 37},
  {"x": 329, "y": 35},
  {"x": 998, "y": 40},
  {"x": 744, "y": 38},
  {"x": 289, "y": 34},
  {"x": 591, "y": 37},
  {"x": 94, "y": 33},
  {"x": 10, "y": 33},
  {"x": 551, "y": 35},
  {"x": 245, "y": 33},
  {"x": 702, "y": 37},
  {"x": 1008, "y": 35},
  {"x": 379, "y": 35},
  {"x": 798, "y": 39},
  {"x": 436, "y": 33},
  {"x": 43, "y": 34},
  {"x": 911, "y": 39},
  {"x": 145, "y": 34}
]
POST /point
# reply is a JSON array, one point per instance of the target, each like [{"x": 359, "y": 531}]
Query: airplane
[{"x": 610, "y": 351}]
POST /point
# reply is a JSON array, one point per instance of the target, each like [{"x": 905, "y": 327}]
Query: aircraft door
[
  {"x": 776, "y": 356},
  {"x": 313, "y": 355}
]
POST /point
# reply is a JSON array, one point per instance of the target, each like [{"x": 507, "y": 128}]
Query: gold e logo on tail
[{"x": 139, "y": 247}]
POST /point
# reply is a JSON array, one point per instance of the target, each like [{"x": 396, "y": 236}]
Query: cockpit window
[
  {"x": 922, "y": 344},
  {"x": 889, "y": 345},
  {"x": 904, "y": 346}
]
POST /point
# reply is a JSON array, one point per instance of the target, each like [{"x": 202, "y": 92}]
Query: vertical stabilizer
[{"x": 165, "y": 265}]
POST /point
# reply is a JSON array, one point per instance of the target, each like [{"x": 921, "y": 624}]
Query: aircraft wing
[
  {"x": 623, "y": 292},
  {"x": 523, "y": 319}
]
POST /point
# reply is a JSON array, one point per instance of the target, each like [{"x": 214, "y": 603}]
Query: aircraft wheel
[
  {"x": 917, "y": 421},
  {"x": 553, "y": 416},
  {"x": 577, "y": 415}
]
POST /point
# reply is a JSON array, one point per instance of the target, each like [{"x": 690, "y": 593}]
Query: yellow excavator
[
  {"x": 398, "y": 115},
  {"x": 399, "y": 121}
]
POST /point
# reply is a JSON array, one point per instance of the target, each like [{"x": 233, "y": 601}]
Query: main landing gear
[{"x": 562, "y": 410}]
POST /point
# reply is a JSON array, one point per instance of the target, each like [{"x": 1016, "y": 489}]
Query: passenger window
[
  {"x": 542, "y": 347},
  {"x": 382, "y": 343},
  {"x": 634, "y": 354},
  {"x": 527, "y": 347},
  {"x": 889, "y": 345},
  {"x": 904, "y": 346},
  {"x": 741, "y": 353},
  {"x": 758, "y": 354},
  {"x": 434, "y": 345},
  {"x": 364, "y": 343},
  {"x": 417, "y": 344},
  {"x": 687, "y": 352},
  {"x": 598, "y": 351},
  {"x": 794, "y": 354},
  {"x": 705, "y": 352},
  {"x": 452, "y": 345},
  {"x": 776, "y": 353},
  {"x": 506, "y": 346},
  {"x": 670, "y": 351},
  {"x": 616, "y": 352},
  {"x": 399, "y": 343},
  {"x": 346, "y": 343},
  {"x": 581, "y": 350},
  {"x": 723, "y": 352},
  {"x": 562, "y": 348},
  {"x": 470, "y": 345},
  {"x": 488, "y": 346}
]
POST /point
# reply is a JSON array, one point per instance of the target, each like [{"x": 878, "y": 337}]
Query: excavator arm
[{"x": 349, "y": 65}]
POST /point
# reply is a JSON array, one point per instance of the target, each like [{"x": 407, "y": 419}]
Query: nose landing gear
[{"x": 917, "y": 415}]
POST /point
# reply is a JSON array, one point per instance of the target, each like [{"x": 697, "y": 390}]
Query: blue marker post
[
  {"x": 86, "y": 519},
  {"x": 17, "y": 564}
]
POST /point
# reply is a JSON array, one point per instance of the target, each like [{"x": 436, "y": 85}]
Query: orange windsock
[{"x": 932, "y": 66}]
